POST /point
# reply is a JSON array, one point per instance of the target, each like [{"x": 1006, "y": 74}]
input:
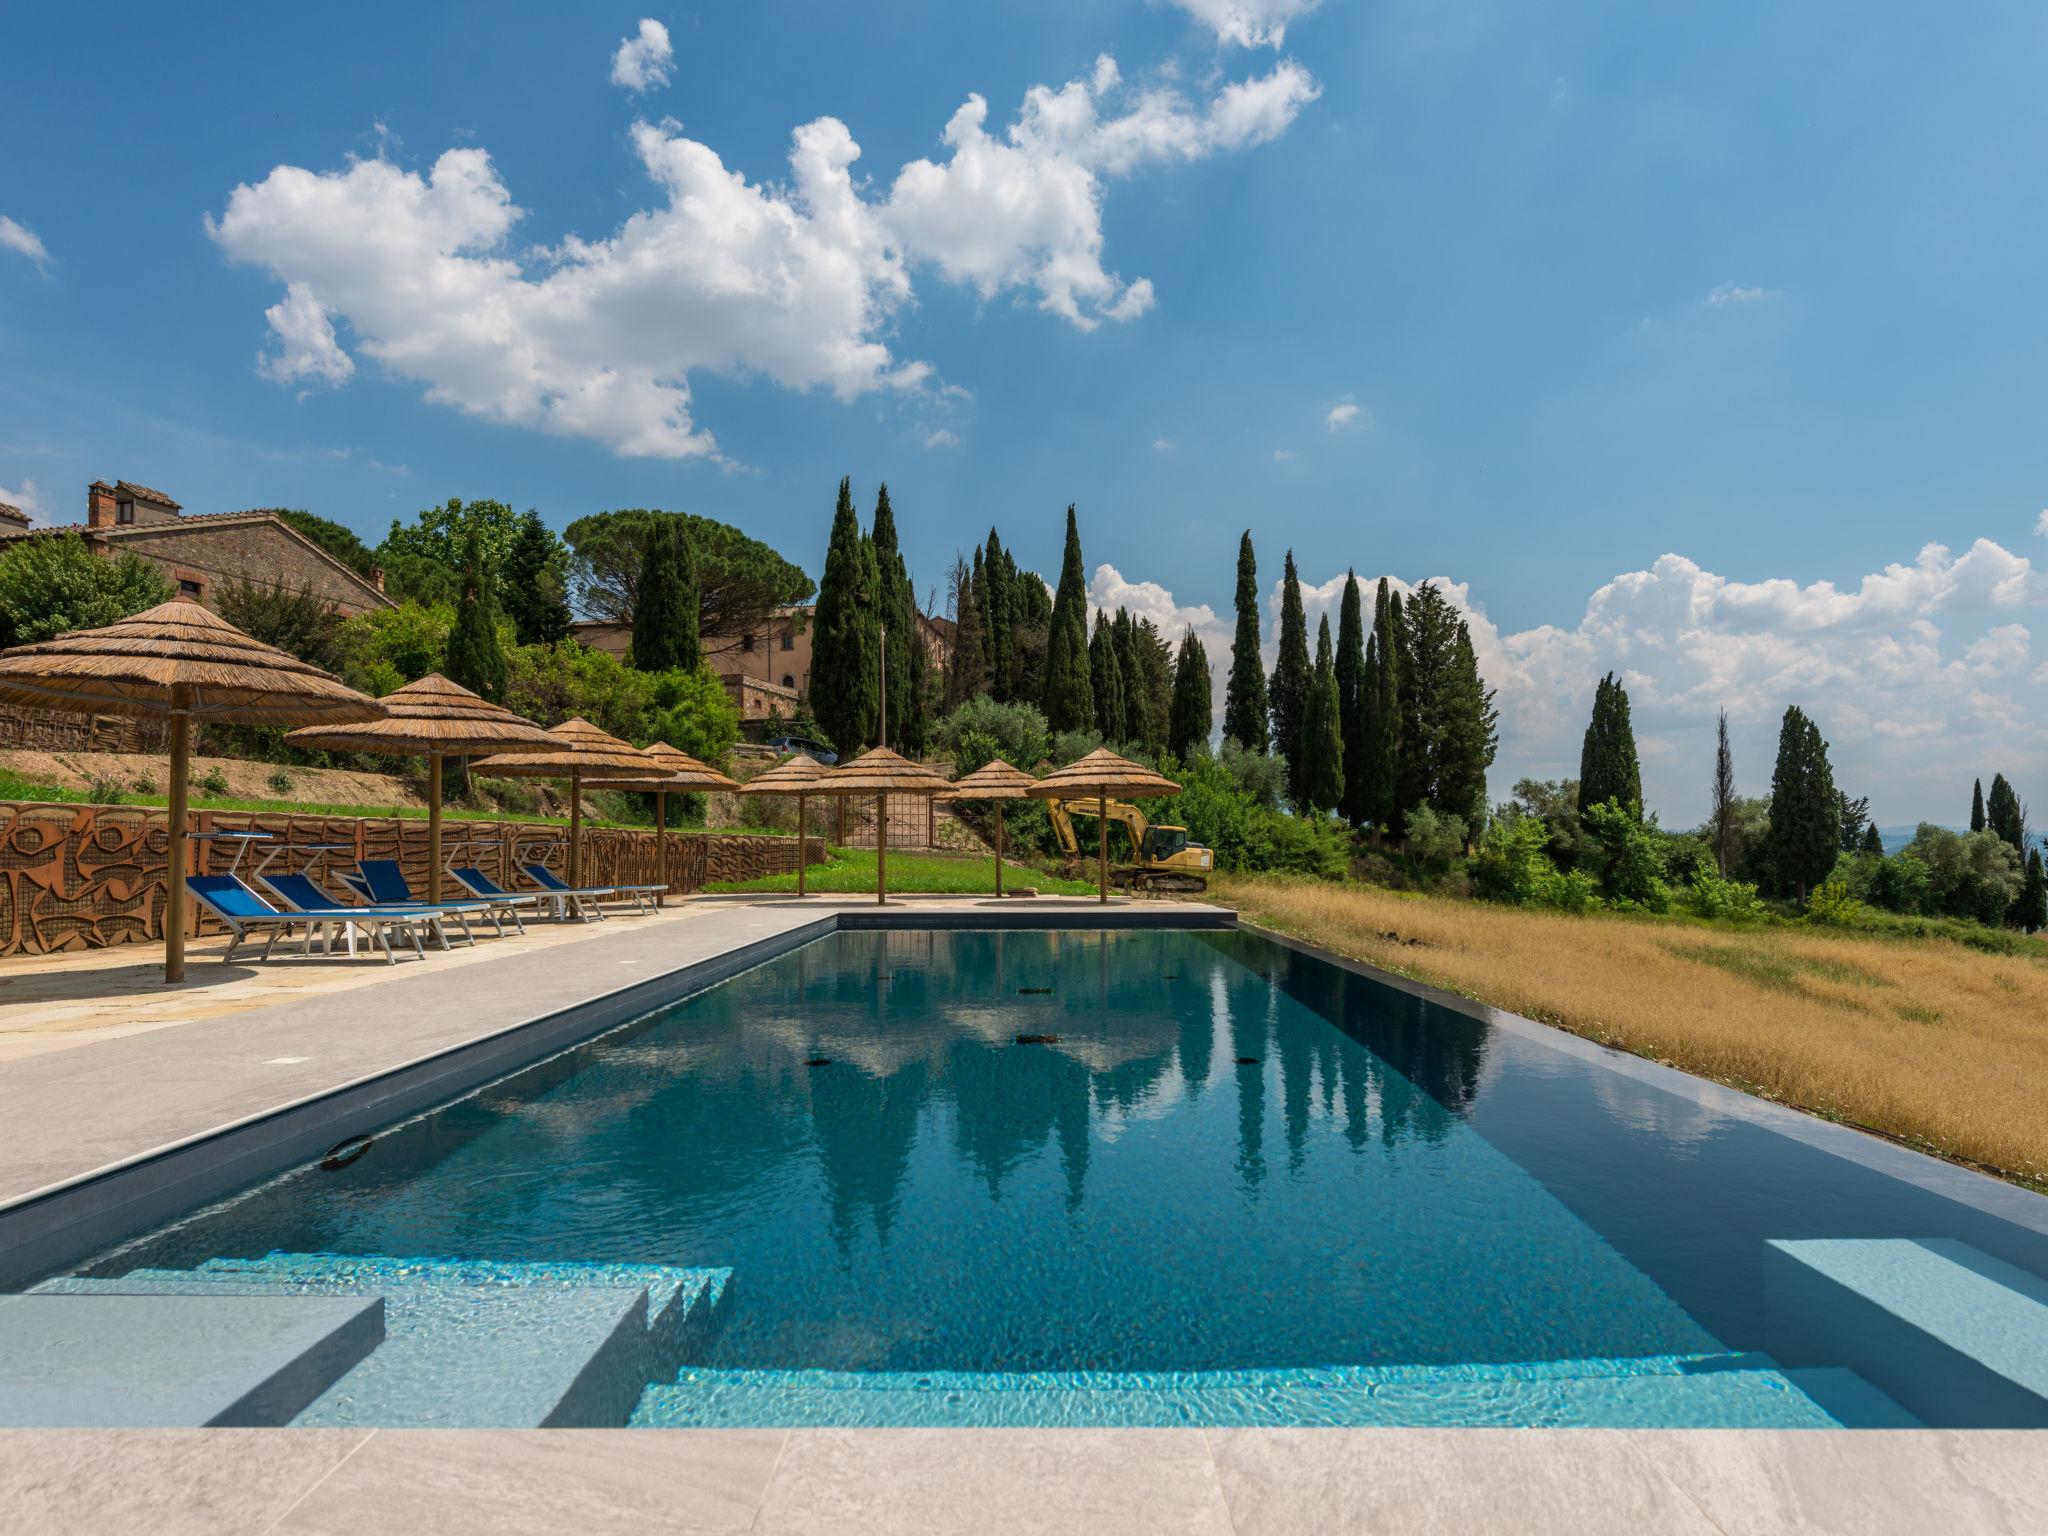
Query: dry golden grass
[{"x": 1939, "y": 1046}]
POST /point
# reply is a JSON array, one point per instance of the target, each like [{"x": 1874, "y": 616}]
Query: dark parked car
[{"x": 817, "y": 751}]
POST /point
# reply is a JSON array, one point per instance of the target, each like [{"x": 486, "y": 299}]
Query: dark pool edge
[
  {"x": 45, "y": 1230},
  {"x": 1980, "y": 1191}
]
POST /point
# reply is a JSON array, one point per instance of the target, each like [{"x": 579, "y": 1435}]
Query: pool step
[
  {"x": 1956, "y": 1336},
  {"x": 175, "y": 1362},
  {"x": 1680, "y": 1392},
  {"x": 480, "y": 1344}
]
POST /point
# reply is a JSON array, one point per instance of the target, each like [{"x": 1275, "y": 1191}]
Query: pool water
[{"x": 1089, "y": 1177}]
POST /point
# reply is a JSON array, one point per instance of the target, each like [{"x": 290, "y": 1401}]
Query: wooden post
[
  {"x": 881, "y": 849},
  {"x": 661, "y": 846},
  {"x": 839, "y": 822},
  {"x": 175, "y": 846},
  {"x": 1102, "y": 845},
  {"x": 999, "y": 845},
  {"x": 802, "y": 854},
  {"x": 433, "y": 827},
  {"x": 931, "y": 821},
  {"x": 576, "y": 828}
]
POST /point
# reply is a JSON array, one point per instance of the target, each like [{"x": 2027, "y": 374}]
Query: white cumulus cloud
[
  {"x": 306, "y": 345},
  {"x": 22, "y": 240},
  {"x": 1735, "y": 293},
  {"x": 2041, "y": 523},
  {"x": 799, "y": 281},
  {"x": 1346, "y": 414},
  {"x": 1248, "y": 23},
  {"x": 940, "y": 437},
  {"x": 28, "y": 499},
  {"x": 644, "y": 59},
  {"x": 1910, "y": 712}
]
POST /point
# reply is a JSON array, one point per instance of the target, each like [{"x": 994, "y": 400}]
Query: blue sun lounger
[
  {"x": 244, "y": 912},
  {"x": 301, "y": 894},
  {"x": 554, "y": 885},
  {"x": 482, "y": 886},
  {"x": 383, "y": 882}
]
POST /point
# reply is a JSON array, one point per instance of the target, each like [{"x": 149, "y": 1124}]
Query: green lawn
[
  {"x": 852, "y": 871},
  {"x": 14, "y": 787}
]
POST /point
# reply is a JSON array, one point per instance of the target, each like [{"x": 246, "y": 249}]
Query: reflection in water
[{"x": 941, "y": 1196}]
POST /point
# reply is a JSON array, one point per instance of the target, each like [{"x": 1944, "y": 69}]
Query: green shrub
[
  {"x": 1831, "y": 905},
  {"x": 1513, "y": 856},
  {"x": 105, "y": 792},
  {"x": 1434, "y": 838},
  {"x": 1568, "y": 890},
  {"x": 56, "y": 583},
  {"x": 981, "y": 729},
  {"x": 213, "y": 782},
  {"x": 1627, "y": 862},
  {"x": 280, "y": 783},
  {"x": 1734, "y": 901}
]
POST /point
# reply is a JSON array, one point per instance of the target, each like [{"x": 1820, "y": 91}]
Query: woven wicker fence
[{"x": 82, "y": 876}]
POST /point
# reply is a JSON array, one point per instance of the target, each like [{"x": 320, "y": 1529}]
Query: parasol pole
[
  {"x": 802, "y": 856},
  {"x": 433, "y": 827},
  {"x": 175, "y": 848},
  {"x": 999, "y": 847},
  {"x": 661, "y": 846},
  {"x": 576, "y": 828},
  {"x": 881, "y": 848}
]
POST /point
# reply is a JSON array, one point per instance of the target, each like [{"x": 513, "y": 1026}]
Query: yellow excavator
[{"x": 1162, "y": 857}]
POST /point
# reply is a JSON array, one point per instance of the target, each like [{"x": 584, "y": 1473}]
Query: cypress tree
[
  {"x": 1469, "y": 739},
  {"x": 996, "y": 614},
  {"x": 1069, "y": 691},
  {"x": 898, "y": 611},
  {"x": 530, "y": 585},
  {"x": 1322, "y": 732},
  {"x": 1608, "y": 766},
  {"x": 2033, "y": 908},
  {"x": 1378, "y": 769},
  {"x": 689, "y": 600},
  {"x": 474, "y": 657},
  {"x": 1873, "y": 841},
  {"x": 2002, "y": 814},
  {"x": 1351, "y": 699},
  {"x": 1805, "y": 829},
  {"x": 844, "y": 646},
  {"x": 1106, "y": 683},
  {"x": 658, "y": 603},
  {"x": 1244, "y": 695},
  {"x": 967, "y": 669},
  {"x": 1187, "y": 730},
  {"x": 1977, "y": 806},
  {"x": 1030, "y": 630},
  {"x": 1288, "y": 693},
  {"x": 1148, "y": 681},
  {"x": 1448, "y": 737},
  {"x": 915, "y": 730},
  {"x": 1722, "y": 812}
]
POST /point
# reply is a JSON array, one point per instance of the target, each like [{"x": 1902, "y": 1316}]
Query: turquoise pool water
[{"x": 1093, "y": 1178}]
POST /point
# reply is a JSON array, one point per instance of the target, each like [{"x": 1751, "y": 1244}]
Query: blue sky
[{"x": 1674, "y": 338}]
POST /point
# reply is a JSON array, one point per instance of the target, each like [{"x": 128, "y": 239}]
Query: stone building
[
  {"x": 202, "y": 553},
  {"x": 766, "y": 669}
]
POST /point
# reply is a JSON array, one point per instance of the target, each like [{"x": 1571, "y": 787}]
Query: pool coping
[
  {"x": 46, "y": 1228},
  {"x": 1981, "y": 1191}
]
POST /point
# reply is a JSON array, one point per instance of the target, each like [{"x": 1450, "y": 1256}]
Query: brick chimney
[
  {"x": 377, "y": 578},
  {"x": 99, "y": 505}
]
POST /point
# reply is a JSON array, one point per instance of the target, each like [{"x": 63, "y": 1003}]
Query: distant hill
[{"x": 1896, "y": 838}]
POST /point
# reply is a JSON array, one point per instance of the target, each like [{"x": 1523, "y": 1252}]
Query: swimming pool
[{"x": 1151, "y": 1177}]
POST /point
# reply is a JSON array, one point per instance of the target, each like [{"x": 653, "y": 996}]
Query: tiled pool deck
[{"x": 131, "y": 1092}]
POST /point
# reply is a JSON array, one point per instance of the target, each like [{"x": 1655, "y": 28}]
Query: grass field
[
  {"x": 1938, "y": 1046},
  {"x": 853, "y": 870}
]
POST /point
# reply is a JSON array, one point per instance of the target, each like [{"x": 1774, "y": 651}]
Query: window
[
  {"x": 789, "y": 639},
  {"x": 788, "y": 681},
  {"x": 746, "y": 642},
  {"x": 187, "y": 587},
  {"x": 124, "y": 511}
]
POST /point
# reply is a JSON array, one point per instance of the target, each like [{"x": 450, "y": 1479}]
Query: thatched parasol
[
  {"x": 177, "y": 659},
  {"x": 800, "y": 776},
  {"x": 1102, "y": 774},
  {"x": 882, "y": 773},
  {"x": 677, "y": 771},
  {"x": 995, "y": 781},
  {"x": 437, "y": 718},
  {"x": 581, "y": 751}
]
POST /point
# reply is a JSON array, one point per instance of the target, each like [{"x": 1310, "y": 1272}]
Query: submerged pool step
[
  {"x": 1957, "y": 1336},
  {"x": 479, "y": 1344},
  {"x": 1678, "y": 1392}
]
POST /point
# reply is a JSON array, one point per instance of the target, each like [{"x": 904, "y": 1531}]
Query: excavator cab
[{"x": 1162, "y": 843}]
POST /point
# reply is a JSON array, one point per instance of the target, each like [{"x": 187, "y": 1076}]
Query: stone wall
[
  {"x": 258, "y": 550},
  {"x": 37, "y": 730},
  {"x": 83, "y": 876}
]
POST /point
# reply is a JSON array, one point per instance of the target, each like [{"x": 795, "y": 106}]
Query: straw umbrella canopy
[
  {"x": 580, "y": 751},
  {"x": 995, "y": 781},
  {"x": 677, "y": 770},
  {"x": 180, "y": 660},
  {"x": 1102, "y": 774},
  {"x": 438, "y": 718},
  {"x": 798, "y": 775},
  {"x": 882, "y": 773}
]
